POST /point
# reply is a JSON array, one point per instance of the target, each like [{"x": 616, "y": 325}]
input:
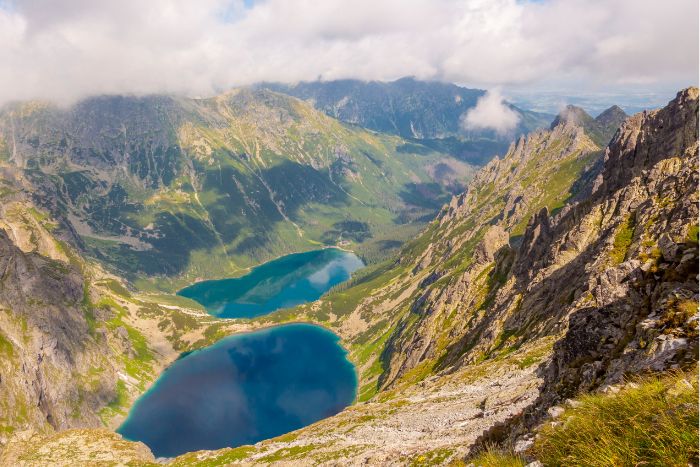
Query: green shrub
[{"x": 693, "y": 234}]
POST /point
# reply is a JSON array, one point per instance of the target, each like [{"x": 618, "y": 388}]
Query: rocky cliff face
[
  {"x": 76, "y": 347},
  {"x": 48, "y": 336},
  {"x": 619, "y": 265},
  {"x": 634, "y": 286}
]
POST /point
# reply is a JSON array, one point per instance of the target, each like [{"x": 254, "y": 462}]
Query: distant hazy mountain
[
  {"x": 429, "y": 111},
  {"x": 629, "y": 100}
]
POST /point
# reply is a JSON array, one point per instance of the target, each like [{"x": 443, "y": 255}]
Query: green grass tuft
[
  {"x": 223, "y": 457},
  {"x": 434, "y": 457},
  {"x": 653, "y": 422},
  {"x": 120, "y": 400},
  {"x": 693, "y": 234},
  {"x": 286, "y": 454},
  {"x": 492, "y": 456},
  {"x": 6, "y": 347},
  {"x": 623, "y": 240}
]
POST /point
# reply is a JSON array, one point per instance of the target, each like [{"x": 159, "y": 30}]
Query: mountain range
[
  {"x": 497, "y": 293},
  {"x": 430, "y": 112},
  {"x": 182, "y": 187}
]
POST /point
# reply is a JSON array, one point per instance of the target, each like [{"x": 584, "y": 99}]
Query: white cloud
[
  {"x": 64, "y": 49},
  {"x": 491, "y": 112}
]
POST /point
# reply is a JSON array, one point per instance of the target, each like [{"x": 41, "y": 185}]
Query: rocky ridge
[
  {"x": 636, "y": 293},
  {"x": 596, "y": 259}
]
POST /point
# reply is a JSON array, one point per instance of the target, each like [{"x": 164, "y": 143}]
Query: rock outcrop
[
  {"x": 48, "y": 337},
  {"x": 637, "y": 293}
]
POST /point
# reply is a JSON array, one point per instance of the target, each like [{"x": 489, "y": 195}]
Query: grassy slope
[
  {"x": 175, "y": 190},
  {"x": 650, "y": 421}
]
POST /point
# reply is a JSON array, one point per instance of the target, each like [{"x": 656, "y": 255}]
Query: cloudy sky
[{"x": 66, "y": 49}]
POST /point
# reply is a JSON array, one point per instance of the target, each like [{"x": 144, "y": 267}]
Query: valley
[
  {"x": 168, "y": 190},
  {"x": 491, "y": 298}
]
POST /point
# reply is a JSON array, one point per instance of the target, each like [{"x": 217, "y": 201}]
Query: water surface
[
  {"x": 285, "y": 282},
  {"x": 243, "y": 389}
]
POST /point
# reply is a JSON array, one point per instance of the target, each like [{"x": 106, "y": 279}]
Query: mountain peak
[
  {"x": 600, "y": 129},
  {"x": 612, "y": 110},
  {"x": 613, "y": 115},
  {"x": 573, "y": 115}
]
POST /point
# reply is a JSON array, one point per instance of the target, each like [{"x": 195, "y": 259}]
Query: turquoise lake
[
  {"x": 282, "y": 283},
  {"x": 243, "y": 389},
  {"x": 252, "y": 386}
]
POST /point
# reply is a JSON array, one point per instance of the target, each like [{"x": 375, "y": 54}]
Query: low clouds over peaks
[
  {"x": 66, "y": 49},
  {"x": 491, "y": 112}
]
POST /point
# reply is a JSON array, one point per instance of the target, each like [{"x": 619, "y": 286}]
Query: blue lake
[
  {"x": 243, "y": 389},
  {"x": 285, "y": 282},
  {"x": 252, "y": 386}
]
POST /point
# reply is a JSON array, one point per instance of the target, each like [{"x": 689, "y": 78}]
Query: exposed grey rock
[
  {"x": 523, "y": 443},
  {"x": 45, "y": 318},
  {"x": 494, "y": 239},
  {"x": 555, "y": 411},
  {"x": 669, "y": 249},
  {"x": 634, "y": 323}
]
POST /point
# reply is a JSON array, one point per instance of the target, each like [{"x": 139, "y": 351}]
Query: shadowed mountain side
[{"x": 427, "y": 111}]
